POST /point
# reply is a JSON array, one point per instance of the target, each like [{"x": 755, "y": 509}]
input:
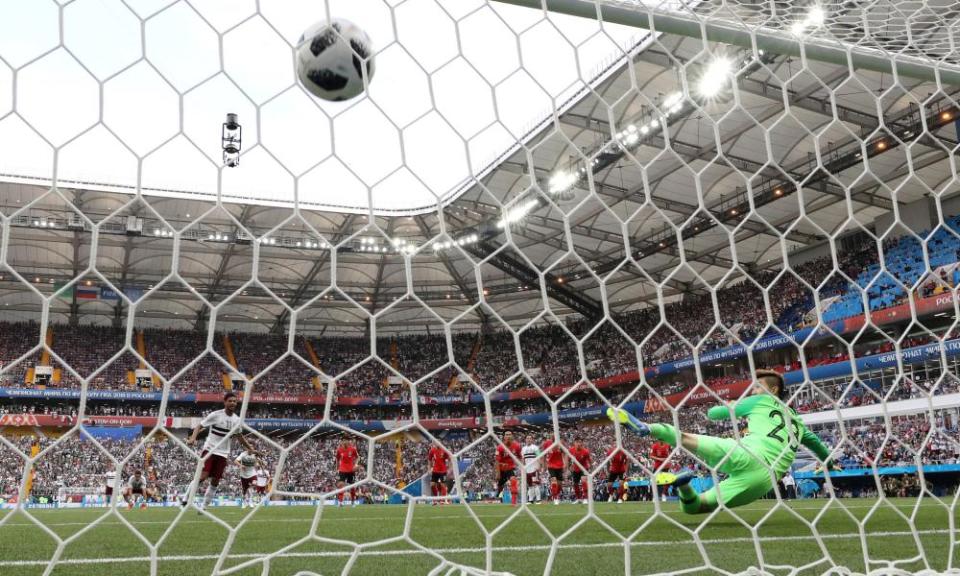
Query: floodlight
[
  {"x": 561, "y": 181},
  {"x": 715, "y": 77}
]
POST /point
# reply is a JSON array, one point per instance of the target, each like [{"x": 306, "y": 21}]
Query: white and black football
[{"x": 332, "y": 59}]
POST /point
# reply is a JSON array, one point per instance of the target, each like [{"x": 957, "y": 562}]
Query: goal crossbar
[{"x": 768, "y": 39}]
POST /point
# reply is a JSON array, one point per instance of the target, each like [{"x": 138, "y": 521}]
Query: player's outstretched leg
[
  {"x": 737, "y": 490},
  {"x": 747, "y": 478},
  {"x": 711, "y": 449},
  {"x": 689, "y": 499}
]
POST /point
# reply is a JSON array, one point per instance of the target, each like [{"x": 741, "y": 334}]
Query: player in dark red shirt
[
  {"x": 439, "y": 463},
  {"x": 579, "y": 465},
  {"x": 508, "y": 455},
  {"x": 556, "y": 462},
  {"x": 347, "y": 456},
  {"x": 659, "y": 453},
  {"x": 617, "y": 473}
]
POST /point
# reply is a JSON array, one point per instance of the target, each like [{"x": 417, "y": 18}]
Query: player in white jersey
[
  {"x": 531, "y": 465},
  {"x": 248, "y": 463},
  {"x": 109, "y": 483},
  {"x": 261, "y": 482},
  {"x": 135, "y": 491},
  {"x": 216, "y": 447}
]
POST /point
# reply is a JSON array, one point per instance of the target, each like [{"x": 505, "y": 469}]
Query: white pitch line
[
  {"x": 647, "y": 510},
  {"x": 442, "y": 551}
]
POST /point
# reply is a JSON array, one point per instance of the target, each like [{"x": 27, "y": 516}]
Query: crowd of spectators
[
  {"x": 170, "y": 351},
  {"x": 845, "y": 393},
  {"x": 488, "y": 371},
  {"x": 905, "y": 441},
  {"x": 544, "y": 356},
  {"x": 396, "y": 460},
  {"x": 547, "y": 354}
]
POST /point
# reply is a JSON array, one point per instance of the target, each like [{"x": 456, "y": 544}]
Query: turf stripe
[{"x": 532, "y": 548}]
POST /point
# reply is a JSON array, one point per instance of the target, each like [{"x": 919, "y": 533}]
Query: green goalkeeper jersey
[{"x": 775, "y": 432}]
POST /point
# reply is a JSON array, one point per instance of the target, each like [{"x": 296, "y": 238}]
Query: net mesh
[
  {"x": 921, "y": 29},
  {"x": 669, "y": 214}
]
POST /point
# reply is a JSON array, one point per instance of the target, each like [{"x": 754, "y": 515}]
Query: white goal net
[{"x": 570, "y": 287}]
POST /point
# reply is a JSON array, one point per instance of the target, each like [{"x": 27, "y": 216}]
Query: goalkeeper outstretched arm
[{"x": 816, "y": 445}]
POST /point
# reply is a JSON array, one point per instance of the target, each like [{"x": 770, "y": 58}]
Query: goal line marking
[
  {"x": 604, "y": 512},
  {"x": 478, "y": 550}
]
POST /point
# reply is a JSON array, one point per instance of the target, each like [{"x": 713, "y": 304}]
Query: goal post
[{"x": 84, "y": 497}]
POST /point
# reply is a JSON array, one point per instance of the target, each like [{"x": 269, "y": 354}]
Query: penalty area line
[{"x": 442, "y": 551}]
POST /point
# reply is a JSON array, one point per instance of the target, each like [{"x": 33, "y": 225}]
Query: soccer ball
[{"x": 331, "y": 59}]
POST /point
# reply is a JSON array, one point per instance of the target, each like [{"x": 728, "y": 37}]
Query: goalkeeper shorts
[{"x": 749, "y": 478}]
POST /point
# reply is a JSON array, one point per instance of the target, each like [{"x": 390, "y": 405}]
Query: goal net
[
  {"x": 572, "y": 286},
  {"x": 80, "y": 496}
]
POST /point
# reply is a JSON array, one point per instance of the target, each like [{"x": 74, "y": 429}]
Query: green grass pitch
[{"x": 915, "y": 534}]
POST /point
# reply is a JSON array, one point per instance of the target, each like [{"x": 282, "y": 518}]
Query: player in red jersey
[
  {"x": 579, "y": 465},
  {"x": 556, "y": 462},
  {"x": 659, "y": 453},
  {"x": 347, "y": 456},
  {"x": 617, "y": 473},
  {"x": 439, "y": 463},
  {"x": 508, "y": 455}
]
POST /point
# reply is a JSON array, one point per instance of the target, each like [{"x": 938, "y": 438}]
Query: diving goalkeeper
[{"x": 775, "y": 434}]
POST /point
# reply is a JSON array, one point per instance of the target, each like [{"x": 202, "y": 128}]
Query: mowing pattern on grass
[{"x": 559, "y": 540}]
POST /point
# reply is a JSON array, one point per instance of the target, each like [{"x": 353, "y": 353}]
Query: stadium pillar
[
  {"x": 74, "y": 318},
  {"x": 34, "y": 450},
  {"x": 768, "y": 39}
]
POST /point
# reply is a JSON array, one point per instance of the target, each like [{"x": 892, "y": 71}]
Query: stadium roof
[{"x": 570, "y": 247}]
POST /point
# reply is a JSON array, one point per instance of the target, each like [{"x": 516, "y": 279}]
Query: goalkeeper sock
[
  {"x": 208, "y": 495},
  {"x": 664, "y": 432}
]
